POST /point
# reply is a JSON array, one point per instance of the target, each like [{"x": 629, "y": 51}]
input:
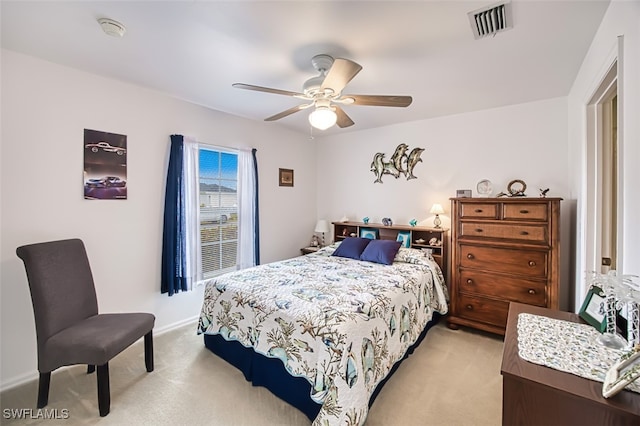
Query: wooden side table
[
  {"x": 307, "y": 250},
  {"x": 533, "y": 394}
]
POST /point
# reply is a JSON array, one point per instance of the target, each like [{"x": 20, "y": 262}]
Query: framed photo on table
[{"x": 594, "y": 309}]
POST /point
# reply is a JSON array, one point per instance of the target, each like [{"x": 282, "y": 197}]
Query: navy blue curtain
[
  {"x": 173, "y": 277},
  {"x": 256, "y": 221}
]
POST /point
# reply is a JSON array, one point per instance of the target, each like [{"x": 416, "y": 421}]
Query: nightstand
[{"x": 308, "y": 250}]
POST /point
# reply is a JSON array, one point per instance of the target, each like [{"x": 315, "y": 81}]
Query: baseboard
[
  {"x": 192, "y": 320},
  {"x": 19, "y": 380},
  {"x": 27, "y": 377}
]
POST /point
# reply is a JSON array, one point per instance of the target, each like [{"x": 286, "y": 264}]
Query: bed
[{"x": 323, "y": 331}]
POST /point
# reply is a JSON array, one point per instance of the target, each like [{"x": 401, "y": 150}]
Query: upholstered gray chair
[{"x": 68, "y": 327}]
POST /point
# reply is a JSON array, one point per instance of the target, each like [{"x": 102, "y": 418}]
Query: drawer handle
[
  {"x": 469, "y": 281},
  {"x": 469, "y": 307},
  {"x": 532, "y": 291},
  {"x": 532, "y": 263},
  {"x": 524, "y": 233},
  {"x": 524, "y": 211},
  {"x": 478, "y": 210},
  {"x": 479, "y": 230},
  {"x": 470, "y": 256}
]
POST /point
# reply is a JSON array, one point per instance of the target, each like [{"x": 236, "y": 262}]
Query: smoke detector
[
  {"x": 490, "y": 20},
  {"x": 111, "y": 27}
]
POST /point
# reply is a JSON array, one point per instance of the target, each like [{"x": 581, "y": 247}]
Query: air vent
[{"x": 490, "y": 20}]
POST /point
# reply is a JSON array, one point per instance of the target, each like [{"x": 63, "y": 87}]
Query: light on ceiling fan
[{"x": 322, "y": 118}]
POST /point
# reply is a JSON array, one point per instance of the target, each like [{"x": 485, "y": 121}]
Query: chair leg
[
  {"x": 43, "y": 389},
  {"x": 148, "y": 351},
  {"x": 104, "y": 397},
  {"x": 91, "y": 368}
]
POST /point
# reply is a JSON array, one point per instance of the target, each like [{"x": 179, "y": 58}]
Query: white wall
[
  {"x": 621, "y": 19},
  {"x": 526, "y": 141},
  {"x": 45, "y": 108}
]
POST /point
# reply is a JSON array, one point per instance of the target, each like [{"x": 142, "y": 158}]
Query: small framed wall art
[{"x": 285, "y": 177}]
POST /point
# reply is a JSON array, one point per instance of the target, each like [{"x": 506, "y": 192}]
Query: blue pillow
[
  {"x": 381, "y": 251},
  {"x": 351, "y": 247}
]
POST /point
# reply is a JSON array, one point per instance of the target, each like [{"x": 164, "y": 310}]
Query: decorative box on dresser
[{"x": 502, "y": 250}]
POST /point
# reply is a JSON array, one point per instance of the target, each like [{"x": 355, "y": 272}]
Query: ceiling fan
[{"x": 324, "y": 93}]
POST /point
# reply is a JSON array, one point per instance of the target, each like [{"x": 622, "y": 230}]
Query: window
[{"x": 218, "y": 171}]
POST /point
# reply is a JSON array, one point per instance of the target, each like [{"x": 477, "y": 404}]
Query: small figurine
[
  {"x": 413, "y": 222},
  {"x": 386, "y": 221},
  {"x": 543, "y": 192},
  {"x": 433, "y": 241},
  {"x": 366, "y": 220}
]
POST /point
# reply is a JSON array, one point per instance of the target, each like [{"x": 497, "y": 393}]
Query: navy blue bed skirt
[{"x": 270, "y": 372}]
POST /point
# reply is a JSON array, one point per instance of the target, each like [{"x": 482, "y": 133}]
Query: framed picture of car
[{"x": 105, "y": 165}]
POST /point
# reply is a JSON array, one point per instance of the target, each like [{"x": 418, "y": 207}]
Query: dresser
[
  {"x": 537, "y": 395},
  {"x": 502, "y": 250}
]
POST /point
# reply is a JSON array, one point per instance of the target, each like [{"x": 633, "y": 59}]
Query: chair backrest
[{"x": 61, "y": 284}]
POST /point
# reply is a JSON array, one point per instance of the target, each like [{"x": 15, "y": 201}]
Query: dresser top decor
[{"x": 566, "y": 346}]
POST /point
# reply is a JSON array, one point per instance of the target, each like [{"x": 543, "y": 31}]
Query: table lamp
[
  {"x": 322, "y": 226},
  {"x": 437, "y": 210}
]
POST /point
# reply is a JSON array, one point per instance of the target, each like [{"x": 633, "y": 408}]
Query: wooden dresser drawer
[
  {"x": 484, "y": 310},
  {"x": 477, "y": 210},
  {"x": 533, "y": 233},
  {"x": 504, "y": 287},
  {"x": 525, "y": 211},
  {"x": 508, "y": 260}
]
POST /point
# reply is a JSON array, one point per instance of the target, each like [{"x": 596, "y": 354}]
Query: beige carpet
[{"x": 453, "y": 378}]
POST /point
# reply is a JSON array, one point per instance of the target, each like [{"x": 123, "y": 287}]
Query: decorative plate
[{"x": 484, "y": 188}]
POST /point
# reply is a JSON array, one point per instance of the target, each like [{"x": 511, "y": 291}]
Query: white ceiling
[{"x": 195, "y": 50}]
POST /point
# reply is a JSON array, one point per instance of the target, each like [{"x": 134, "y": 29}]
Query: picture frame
[
  {"x": 405, "y": 238},
  {"x": 371, "y": 233},
  {"x": 285, "y": 177},
  {"x": 593, "y": 309},
  {"x": 105, "y": 165},
  {"x": 626, "y": 370},
  {"x": 463, "y": 193}
]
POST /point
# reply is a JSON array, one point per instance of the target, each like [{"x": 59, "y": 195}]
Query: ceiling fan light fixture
[{"x": 322, "y": 118}]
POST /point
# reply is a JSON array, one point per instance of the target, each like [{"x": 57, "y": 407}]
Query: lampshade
[
  {"x": 436, "y": 209},
  {"x": 322, "y": 226},
  {"x": 322, "y": 117}
]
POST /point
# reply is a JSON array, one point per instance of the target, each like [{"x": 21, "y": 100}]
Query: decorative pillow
[
  {"x": 410, "y": 255},
  {"x": 351, "y": 247},
  {"x": 381, "y": 251}
]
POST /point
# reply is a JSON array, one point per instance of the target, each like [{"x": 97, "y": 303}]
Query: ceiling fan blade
[
  {"x": 266, "y": 89},
  {"x": 343, "y": 119},
  {"x": 340, "y": 73},
  {"x": 375, "y": 100},
  {"x": 287, "y": 112}
]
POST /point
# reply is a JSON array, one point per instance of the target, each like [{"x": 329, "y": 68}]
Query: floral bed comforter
[{"x": 340, "y": 323}]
